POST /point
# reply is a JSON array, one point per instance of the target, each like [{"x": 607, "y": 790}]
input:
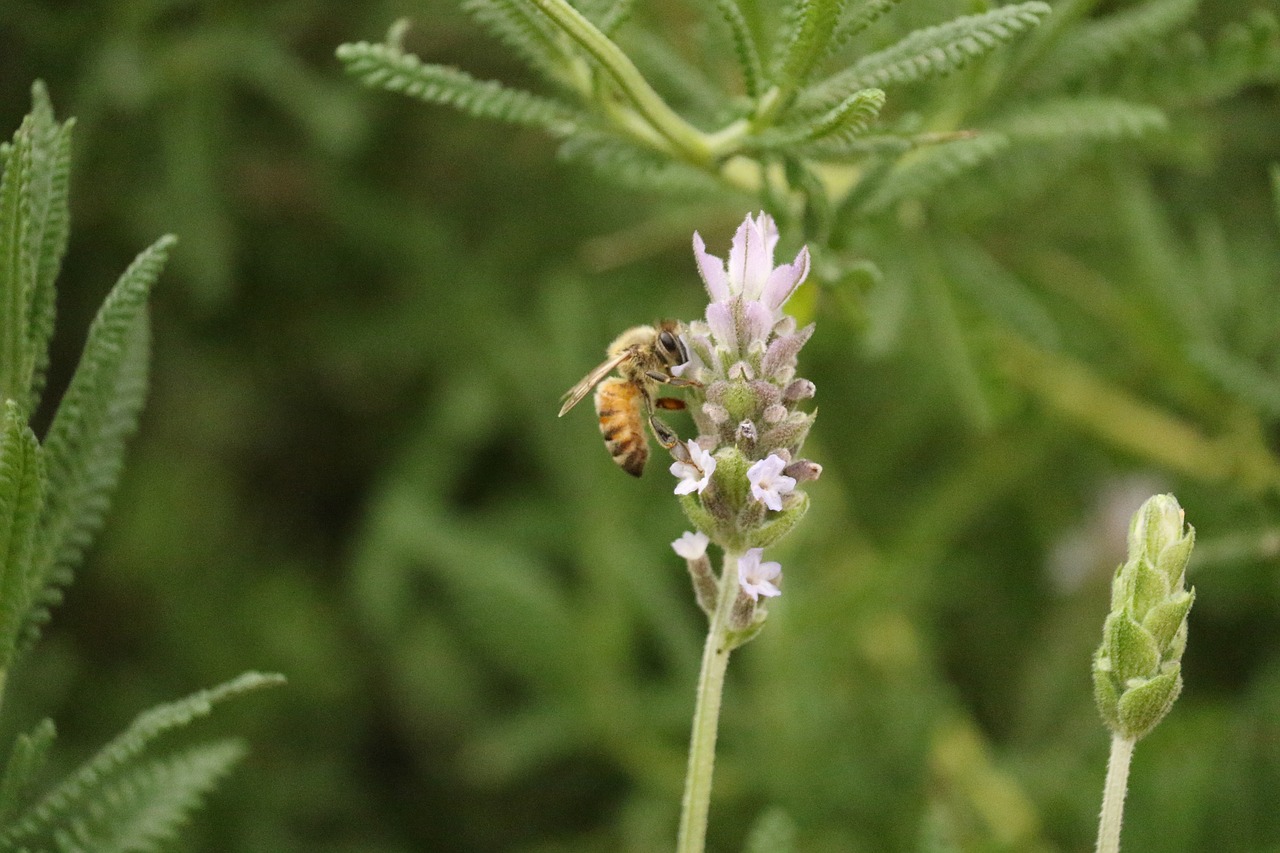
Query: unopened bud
[
  {"x": 803, "y": 470},
  {"x": 1137, "y": 671}
]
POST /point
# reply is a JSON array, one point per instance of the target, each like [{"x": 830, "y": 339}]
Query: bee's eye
[{"x": 669, "y": 342}]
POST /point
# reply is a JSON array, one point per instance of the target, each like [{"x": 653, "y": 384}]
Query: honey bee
[{"x": 643, "y": 357}]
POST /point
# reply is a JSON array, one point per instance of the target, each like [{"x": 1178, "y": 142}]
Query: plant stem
[
  {"x": 706, "y": 716},
  {"x": 1113, "y": 794}
]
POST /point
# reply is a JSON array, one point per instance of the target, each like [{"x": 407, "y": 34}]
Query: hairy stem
[
  {"x": 706, "y": 716},
  {"x": 1113, "y": 794}
]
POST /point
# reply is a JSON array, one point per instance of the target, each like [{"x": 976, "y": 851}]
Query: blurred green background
[{"x": 350, "y": 469}]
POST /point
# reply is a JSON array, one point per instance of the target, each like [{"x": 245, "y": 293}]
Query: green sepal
[
  {"x": 1172, "y": 561},
  {"x": 734, "y": 639},
  {"x": 1104, "y": 692},
  {"x": 780, "y": 525},
  {"x": 1132, "y": 650},
  {"x": 1143, "y": 706},
  {"x": 701, "y": 520},
  {"x": 730, "y": 479},
  {"x": 1163, "y": 621},
  {"x": 1150, "y": 588},
  {"x": 739, "y": 400}
]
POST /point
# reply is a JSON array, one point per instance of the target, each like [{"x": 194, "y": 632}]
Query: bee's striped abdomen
[{"x": 618, "y": 406}]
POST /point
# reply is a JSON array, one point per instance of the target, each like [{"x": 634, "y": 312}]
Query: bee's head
[{"x": 670, "y": 347}]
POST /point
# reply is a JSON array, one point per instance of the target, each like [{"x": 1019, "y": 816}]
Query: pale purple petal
[
  {"x": 770, "y": 230},
  {"x": 711, "y": 269},
  {"x": 720, "y": 319},
  {"x": 738, "y": 256},
  {"x": 758, "y": 262},
  {"x": 757, "y": 321},
  {"x": 768, "y": 483},
  {"x": 695, "y": 474},
  {"x": 784, "y": 280}
]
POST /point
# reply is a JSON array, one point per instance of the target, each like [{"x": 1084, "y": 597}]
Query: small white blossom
[
  {"x": 696, "y": 473},
  {"x": 768, "y": 483},
  {"x": 757, "y": 578},
  {"x": 691, "y": 546}
]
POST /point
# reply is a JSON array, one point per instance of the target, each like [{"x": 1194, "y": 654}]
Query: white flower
[
  {"x": 757, "y": 578},
  {"x": 691, "y": 546},
  {"x": 696, "y": 473},
  {"x": 768, "y": 483}
]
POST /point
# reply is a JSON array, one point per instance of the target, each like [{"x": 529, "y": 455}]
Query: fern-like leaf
[
  {"x": 16, "y": 265},
  {"x": 84, "y": 448},
  {"x": 1093, "y": 44},
  {"x": 860, "y": 16},
  {"x": 926, "y": 53},
  {"x": 145, "y": 806},
  {"x": 21, "y": 499},
  {"x": 50, "y": 225},
  {"x": 1088, "y": 119},
  {"x": 384, "y": 66},
  {"x": 637, "y": 168},
  {"x": 607, "y": 15},
  {"x": 116, "y": 759},
  {"x": 517, "y": 25},
  {"x": 834, "y": 129},
  {"x": 26, "y": 760},
  {"x": 744, "y": 47},
  {"x": 928, "y": 169},
  {"x": 1243, "y": 379},
  {"x": 810, "y": 37}
]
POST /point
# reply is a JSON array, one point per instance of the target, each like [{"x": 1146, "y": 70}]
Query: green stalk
[
  {"x": 706, "y": 716},
  {"x": 684, "y": 138},
  {"x": 1113, "y": 794}
]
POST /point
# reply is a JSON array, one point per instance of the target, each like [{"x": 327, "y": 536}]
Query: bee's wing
[{"x": 575, "y": 394}]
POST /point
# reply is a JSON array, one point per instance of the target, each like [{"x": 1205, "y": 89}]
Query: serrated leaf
[
  {"x": 1089, "y": 119},
  {"x": 49, "y": 229},
  {"x": 812, "y": 26},
  {"x": 117, "y": 756},
  {"x": 84, "y": 448},
  {"x": 925, "y": 171},
  {"x": 525, "y": 31},
  {"x": 834, "y": 129},
  {"x": 926, "y": 53},
  {"x": 1090, "y": 45},
  {"x": 382, "y": 66},
  {"x": 637, "y": 168},
  {"x": 17, "y": 267},
  {"x": 744, "y": 47},
  {"x": 21, "y": 500},
  {"x": 143, "y": 807},
  {"x": 859, "y": 16},
  {"x": 26, "y": 760}
]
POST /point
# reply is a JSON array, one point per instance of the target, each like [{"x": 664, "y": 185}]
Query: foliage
[
  {"x": 53, "y": 496},
  {"x": 1036, "y": 294}
]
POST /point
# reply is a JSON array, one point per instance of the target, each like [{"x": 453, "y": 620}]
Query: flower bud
[{"x": 1137, "y": 670}]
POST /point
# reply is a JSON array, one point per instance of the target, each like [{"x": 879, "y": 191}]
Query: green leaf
[
  {"x": 1090, "y": 45},
  {"x": 143, "y": 808},
  {"x": 812, "y": 26},
  {"x": 21, "y": 497},
  {"x": 17, "y": 267},
  {"x": 926, "y": 170},
  {"x": 26, "y": 760},
  {"x": 520, "y": 27},
  {"x": 87, "y": 783},
  {"x": 926, "y": 53},
  {"x": 383, "y": 66},
  {"x": 49, "y": 228},
  {"x": 744, "y": 47},
  {"x": 1240, "y": 377},
  {"x": 860, "y": 16},
  {"x": 84, "y": 448},
  {"x": 835, "y": 129},
  {"x": 998, "y": 292},
  {"x": 1088, "y": 119},
  {"x": 637, "y": 168}
]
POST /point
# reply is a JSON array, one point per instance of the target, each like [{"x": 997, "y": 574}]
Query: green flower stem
[
  {"x": 706, "y": 716},
  {"x": 1113, "y": 794},
  {"x": 687, "y": 140}
]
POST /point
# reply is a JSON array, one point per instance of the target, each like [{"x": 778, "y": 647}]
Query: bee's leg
[
  {"x": 671, "y": 404},
  {"x": 673, "y": 381},
  {"x": 666, "y": 435}
]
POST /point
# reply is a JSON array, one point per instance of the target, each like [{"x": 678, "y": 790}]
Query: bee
[{"x": 644, "y": 357}]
